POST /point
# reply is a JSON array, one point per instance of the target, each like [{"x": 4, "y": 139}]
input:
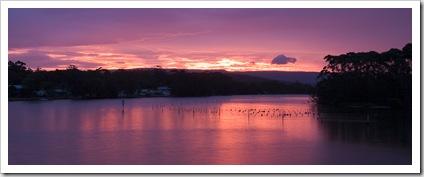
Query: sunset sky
[{"x": 232, "y": 39}]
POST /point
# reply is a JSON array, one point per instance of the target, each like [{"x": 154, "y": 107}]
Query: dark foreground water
[{"x": 280, "y": 130}]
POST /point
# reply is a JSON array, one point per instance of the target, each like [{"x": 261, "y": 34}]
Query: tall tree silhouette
[{"x": 367, "y": 77}]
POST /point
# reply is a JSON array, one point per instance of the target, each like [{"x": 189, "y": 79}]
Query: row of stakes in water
[{"x": 251, "y": 112}]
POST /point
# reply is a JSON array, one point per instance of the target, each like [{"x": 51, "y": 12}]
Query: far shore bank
[{"x": 98, "y": 98}]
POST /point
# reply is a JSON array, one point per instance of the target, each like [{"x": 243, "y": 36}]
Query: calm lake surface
[{"x": 254, "y": 130}]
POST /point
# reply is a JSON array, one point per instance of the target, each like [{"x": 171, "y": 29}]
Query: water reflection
[
  {"x": 214, "y": 130},
  {"x": 367, "y": 125}
]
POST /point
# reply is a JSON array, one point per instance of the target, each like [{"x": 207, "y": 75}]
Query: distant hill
[
  {"x": 261, "y": 76},
  {"x": 302, "y": 77},
  {"x": 245, "y": 77}
]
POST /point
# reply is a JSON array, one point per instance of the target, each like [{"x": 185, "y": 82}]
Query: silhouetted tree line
[
  {"x": 102, "y": 83},
  {"x": 367, "y": 77}
]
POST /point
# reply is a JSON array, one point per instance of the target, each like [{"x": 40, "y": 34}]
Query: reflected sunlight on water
[{"x": 281, "y": 129}]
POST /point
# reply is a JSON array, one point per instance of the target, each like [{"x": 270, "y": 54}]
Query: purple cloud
[{"x": 282, "y": 60}]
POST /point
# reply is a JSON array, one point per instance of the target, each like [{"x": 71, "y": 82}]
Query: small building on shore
[
  {"x": 40, "y": 93},
  {"x": 60, "y": 93},
  {"x": 159, "y": 91}
]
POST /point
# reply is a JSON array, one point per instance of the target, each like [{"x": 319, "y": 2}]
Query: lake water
[{"x": 254, "y": 130}]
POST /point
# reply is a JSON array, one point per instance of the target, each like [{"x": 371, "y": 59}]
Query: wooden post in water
[{"x": 123, "y": 104}]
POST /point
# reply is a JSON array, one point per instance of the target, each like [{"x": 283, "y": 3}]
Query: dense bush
[
  {"x": 367, "y": 77},
  {"x": 102, "y": 83}
]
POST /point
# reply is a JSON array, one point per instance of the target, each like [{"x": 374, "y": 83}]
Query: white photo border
[{"x": 414, "y": 168}]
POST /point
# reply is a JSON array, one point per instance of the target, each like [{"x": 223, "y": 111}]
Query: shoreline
[
  {"x": 88, "y": 98},
  {"x": 356, "y": 105}
]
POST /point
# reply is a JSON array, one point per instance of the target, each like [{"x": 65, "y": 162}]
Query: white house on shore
[
  {"x": 165, "y": 91},
  {"x": 41, "y": 92},
  {"x": 159, "y": 91}
]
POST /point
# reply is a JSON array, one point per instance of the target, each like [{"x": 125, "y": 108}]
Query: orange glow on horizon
[
  {"x": 91, "y": 58},
  {"x": 128, "y": 55}
]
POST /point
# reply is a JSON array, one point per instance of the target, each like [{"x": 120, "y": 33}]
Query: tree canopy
[
  {"x": 367, "y": 77},
  {"x": 102, "y": 83}
]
